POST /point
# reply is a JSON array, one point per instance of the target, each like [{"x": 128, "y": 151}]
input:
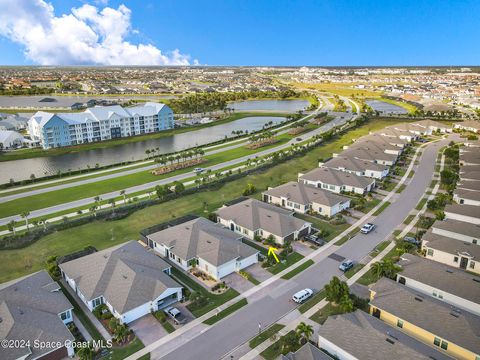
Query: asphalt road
[
  {"x": 340, "y": 119},
  {"x": 272, "y": 302}
]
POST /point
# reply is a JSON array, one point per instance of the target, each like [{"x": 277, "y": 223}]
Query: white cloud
[{"x": 88, "y": 35}]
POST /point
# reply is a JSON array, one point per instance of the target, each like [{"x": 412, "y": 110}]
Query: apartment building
[{"x": 98, "y": 123}]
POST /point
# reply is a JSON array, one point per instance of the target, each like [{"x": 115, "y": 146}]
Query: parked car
[
  {"x": 198, "y": 170},
  {"x": 346, "y": 265},
  {"x": 299, "y": 139},
  {"x": 368, "y": 227},
  {"x": 314, "y": 239},
  {"x": 412, "y": 240},
  {"x": 176, "y": 315},
  {"x": 302, "y": 295}
]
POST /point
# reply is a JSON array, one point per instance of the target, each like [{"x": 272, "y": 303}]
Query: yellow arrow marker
[{"x": 271, "y": 251}]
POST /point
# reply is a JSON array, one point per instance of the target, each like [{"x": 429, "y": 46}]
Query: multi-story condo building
[{"x": 98, "y": 124}]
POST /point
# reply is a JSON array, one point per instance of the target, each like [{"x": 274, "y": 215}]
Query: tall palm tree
[
  {"x": 304, "y": 332},
  {"x": 123, "y": 193},
  {"x": 11, "y": 227},
  {"x": 86, "y": 352},
  {"x": 25, "y": 215}
]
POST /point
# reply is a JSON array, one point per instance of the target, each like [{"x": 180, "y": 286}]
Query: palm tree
[
  {"x": 123, "y": 193},
  {"x": 25, "y": 215},
  {"x": 86, "y": 352},
  {"x": 11, "y": 227},
  {"x": 93, "y": 209},
  {"x": 304, "y": 332},
  {"x": 121, "y": 332}
]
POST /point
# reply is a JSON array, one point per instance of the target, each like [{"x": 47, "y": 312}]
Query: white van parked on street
[{"x": 302, "y": 295}]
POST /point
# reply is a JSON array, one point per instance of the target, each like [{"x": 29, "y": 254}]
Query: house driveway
[
  {"x": 303, "y": 247},
  {"x": 148, "y": 329},
  {"x": 238, "y": 282},
  {"x": 258, "y": 272}
]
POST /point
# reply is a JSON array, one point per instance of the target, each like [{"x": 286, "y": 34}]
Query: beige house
[
  {"x": 357, "y": 167},
  {"x": 302, "y": 198},
  {"x": 453, "y": 286},
  {"x": 370, "y": 154},
  {"x": 377, "y": 137},
  {"x": 445, "y": 250},
  {"x": 252, "y": 218}
]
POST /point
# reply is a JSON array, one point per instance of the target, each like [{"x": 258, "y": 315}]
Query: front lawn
[
  {"x": 321, "y": 315},
  {"x": 225, "y": 312},
  {"x": 264, "y": 335},
  {"x": 298, "y": 269},
  {"x": 289, "y": 261},
  {"x": 381, "y": 208}
]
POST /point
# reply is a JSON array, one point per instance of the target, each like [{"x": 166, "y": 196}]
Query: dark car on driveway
[{"x": 314, "y": 239}]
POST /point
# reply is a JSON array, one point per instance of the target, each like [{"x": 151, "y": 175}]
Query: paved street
[
  {"x": 272, "y": 302},
  {"x": 340, "y": 119}
]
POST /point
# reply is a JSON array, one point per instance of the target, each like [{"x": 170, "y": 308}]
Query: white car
[
  {"x": 368, "y": 227},
  {"x": 302, "y": 295}
]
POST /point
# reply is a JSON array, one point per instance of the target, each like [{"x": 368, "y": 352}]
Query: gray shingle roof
[
  {"x": 254, "y": 214},
  {"x": 203, "y": 239},
  {"x": 451, "y": 246},
  {"x": 365, "y": 337},
  {"x": 374, "y": 145},
  {"x": 428, "y": 313},
  {"x": 337, "y": 177},
  {"x": 29, "y": 310},
  {"x": 307, "y": 352},
  {"x": 458, "y": 227},
  {"x": 467, "y": 210},
  {"x": 369, "y": 154},
  {"x": 441, "y": 276},
  {"x": 306, "y": 194},
  {"x": 126, "y": 275},
  {"x": 353, "y": 164},
  {"x": 384, "y": 139}
]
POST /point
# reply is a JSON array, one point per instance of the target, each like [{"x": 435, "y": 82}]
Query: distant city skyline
[{"x": 250, "y": 33}]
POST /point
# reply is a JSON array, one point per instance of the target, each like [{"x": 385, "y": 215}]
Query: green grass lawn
[
  {"x": 322, "y": 315},
  {"x": 331, "y": 229},
  {"x": 314, "y": 300},
  {"x": 298, "y": 269},
  {"x": 347, "y": 237},
  {"x": 381, "y": 208},
  {"x": 104, "y": 234},
  {"x": 401, "y": 188},
  {"x": 289, "y": 261},
  {"x": 356, "y": 268},
  {"x": 369, "y": 277},
  {"x": 119, "y": 353},
  {"x": 369, "y": 205},
  {"x": 214, "y": 300},
  {"x": 264, "y": 335},
  {"x": 411, "y": 173},
  {"x": 224, "y": 313},
  {"x": 408, "y": 219},
  {"x": 250, "y": 278},
  {"x": 275, "y": 350},
  {"x": 421, "y": 203},
  {"x": 379, "y": 248}
]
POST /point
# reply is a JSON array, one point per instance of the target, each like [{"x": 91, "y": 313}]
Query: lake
[
  {"x": 270, "y": 105},
  {"x": 21, "y": 169},
  {"x": 385, "y": 107}
]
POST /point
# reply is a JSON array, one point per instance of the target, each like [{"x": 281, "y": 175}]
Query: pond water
[
  {"x": 386, "y": 107},
  {"x": 21, "y": 169},
  {"x": 270, "y": 105}
]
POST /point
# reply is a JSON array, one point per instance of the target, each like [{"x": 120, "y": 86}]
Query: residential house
[
  {"x": 467, "y": 197},
  {"x": 34, "y": 309},
  {"x": 395, "y": 141},
  {"x": 253, "y": 218},
  {"x": 445, "y": 250},
  {"x": 128, "y": 279},
  {"x": 337, "y": 181},
  {"x": 302, "y": 198},
  {"x": 10, "y": 139},
  {"x": 434, "y": 126},
  {"x": 457, "y": 230},
  {"x": 370, "y": 154},
  {"x": 411, "y": 128},
  {"x": 427, "y": 319},
  {"x": 377, "y": 146},
  {"x": 205, "y": 245},
  {"x": 307, "y": 352},
  {"x": 465, "y": 213},
  {"x": 357, "y": 167},
  {"x": 469, "y": 125},
  {"x": 394, "y": 133},
  {"x": 455, "y": 287},
  {"x": 360, "y": 336}
]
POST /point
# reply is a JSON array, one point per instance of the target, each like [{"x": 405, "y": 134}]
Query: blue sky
[{"x": 281, "y": 32}]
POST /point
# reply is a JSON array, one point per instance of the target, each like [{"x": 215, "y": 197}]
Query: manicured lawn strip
[
  {"x": 347, "y": 237},
  {"x": 264, "y": 335},
  {"x": 433, "y": 183},
  {"x": 104, "y": 234},
  {"x": 401, "y": 188},
  {"x": 328, "y": 310},
  {"x": 381, "y": 208},
  {"x": 289, "y": 261},
  {"x": 421, "y": 203},
  {"x": 145, "y": 357},
  {"x": 298, "y": 269},
  {"x": 397, "y": 232},
  {"x": 78, "y": 312},
  {"x": 379, "y": 248},
  {"x": 314, "y": 300},
  {"x": 389, "y": 186},
  {"x": 275, "y": 350},
  {"x": 214, "y": 300},
  {"x": 348, "y": 274},
  {"x": 411, "y": 173},
  {"x": 119, "y": 353},
  {"x": 37, "y": 152},
  {"x": 408, "y": 219},
  {"x": 250, "y": 278},
  {"x": 163, "y": 320},
  {"x": 224, "y": 313},
  {"x": 370, "y": 204}
]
